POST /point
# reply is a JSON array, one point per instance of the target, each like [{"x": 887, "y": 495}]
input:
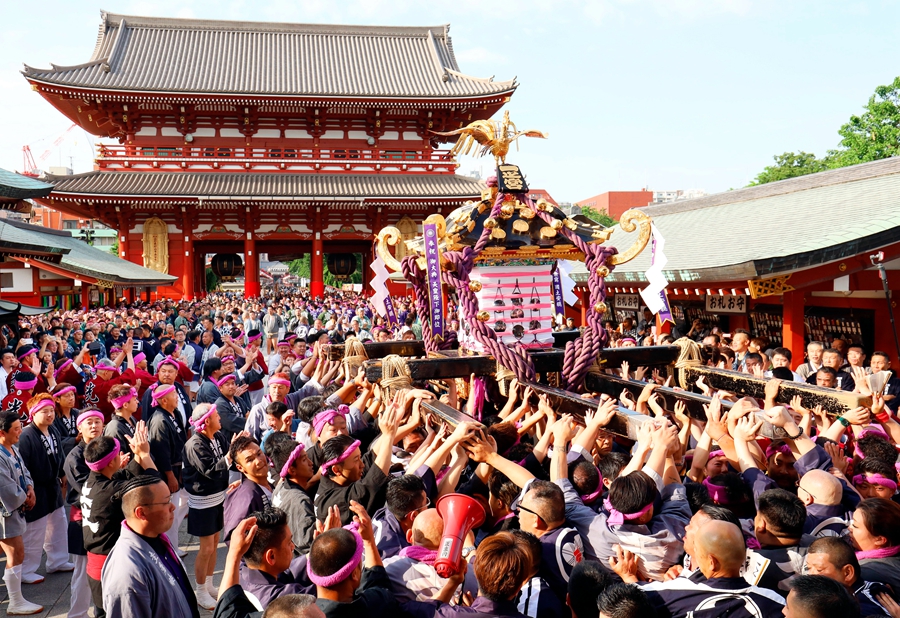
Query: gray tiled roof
[
  {"x": 19, "y": 187},
  {"x": 250, "y": 184},
  {"x": 777, "y": 227},
  {"x": 78, "y": 256},
  {"x": 204, "y": 56}
]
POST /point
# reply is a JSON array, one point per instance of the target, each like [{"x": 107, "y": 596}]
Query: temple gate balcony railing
[{"x": 323, "y": 160}]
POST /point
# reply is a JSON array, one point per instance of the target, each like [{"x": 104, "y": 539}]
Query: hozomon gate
[{"x": 250, "y": 137}]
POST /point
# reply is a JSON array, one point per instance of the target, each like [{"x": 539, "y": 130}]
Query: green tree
[
  {"x": 212, "y": 281},
  {"x": 599, "y": 216},
  {"x": 874, "y": 134},
  {"x": 114, "y": 248},
  {"x": 790, "y": 165}
]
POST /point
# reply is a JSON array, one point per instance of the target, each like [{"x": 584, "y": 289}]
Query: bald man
[
  {"x": 822, "y": 494},
  {"x": 719, "y": 553},
  {"x": 412, "y": 573}
]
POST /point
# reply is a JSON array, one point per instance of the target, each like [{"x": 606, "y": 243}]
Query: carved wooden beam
[
  {"x": 833, "y": 401},
  {"x": 614, "y": 385},
  {"x": 452, "y": 365},
  {"x": 380, "y": 350}
]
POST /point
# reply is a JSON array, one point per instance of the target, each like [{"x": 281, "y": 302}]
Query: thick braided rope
[
  {"x": 581, "y": 353},
  {"x": 415, "y": 275}
]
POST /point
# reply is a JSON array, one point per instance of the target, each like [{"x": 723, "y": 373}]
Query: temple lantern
[
  {"x": 227, "y": 266},
  {"x": 341, "y": 265}
]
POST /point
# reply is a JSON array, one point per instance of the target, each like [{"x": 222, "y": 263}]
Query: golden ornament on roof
[{"x": 494, "y": 137}]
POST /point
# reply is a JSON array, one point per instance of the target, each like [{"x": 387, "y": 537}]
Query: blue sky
[{"x": 665, "y": 94}]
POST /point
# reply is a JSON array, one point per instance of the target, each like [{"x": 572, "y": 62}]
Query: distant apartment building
[{"x": 614, "y": 203}]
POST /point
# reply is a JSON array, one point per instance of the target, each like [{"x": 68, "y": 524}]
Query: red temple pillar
[
  {"x": 251, "y": 267},
  {"x": 187, "y": 266},
  {"x": 585, "y": 295},
  {"x": 317, "y": 268},
  {"x": 85, "y": 295},
  {"x": 123, "y": 236},
  {"x": 793, "y": 333},
  {"x": 366, "y": 273}
]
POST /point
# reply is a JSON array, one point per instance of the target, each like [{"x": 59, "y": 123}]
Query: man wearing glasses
[
  {"x": 542, "y": 512},
  {"x": 143, "y": 575}
]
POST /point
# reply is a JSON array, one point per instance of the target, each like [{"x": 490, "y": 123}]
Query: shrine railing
[{"x": 325, "y": 160}]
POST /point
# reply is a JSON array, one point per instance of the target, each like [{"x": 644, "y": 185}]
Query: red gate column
[
  {"x": 793, "y": 332},
  {"x": 187, "y": 266},
  {"x": 85, "y": 295},
  {"x": 317, "y": 268},
  {"x": 251, "y": 267}
]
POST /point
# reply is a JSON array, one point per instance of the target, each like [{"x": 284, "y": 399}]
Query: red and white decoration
[{"x": 519, "y": 300}]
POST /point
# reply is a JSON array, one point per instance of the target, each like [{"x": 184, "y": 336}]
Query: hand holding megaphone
[{"x": 460, "y": 514}]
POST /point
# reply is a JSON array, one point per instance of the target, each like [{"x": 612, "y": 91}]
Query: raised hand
[
  {"x": 715, "y": 425},
  {"x": 639, "y": 373},
  {"x": 623, "y": 370},
  {"x": 746, "y": 428},
  {"x": 624, "y": 564}
]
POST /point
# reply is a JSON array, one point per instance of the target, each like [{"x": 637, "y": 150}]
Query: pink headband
[
  {"x": 113, "y": 351},
  {"x": 328, "y": 416},
  {"x": 343, "y": 456},
  {"x": 224, "y": 379},
  {"x": 225, "y": 359},
  {"x": 99, "y": 465},
  {"x": 617, "y": 519},
  {"x": 784, "y": 449},
  {"x": 719, "y": 493},
  {"x": 283, "y": 344},
  {"x": 167, "y": 361},
  {"x": 591, "y": 497},
  {"x": 714, "y": 454},
  {"x": 290, "y": 337},
  {"x": 64, "y": 391},
  {"x": 159, "y": 393},
  {"x": 24, "y": 385},
  {"x": 326, "y": 581},
  {"x": 139, "y": 358},
  {"x": 254, "y": 337},
  {"x": 875, "y": 479},
  {"x": 24, "y": 355},
  {"x": 43, "y": 403},
  {"x": 62, "y": 367},
  {"x": 872, "y": 429},
  {"x": 118, "y": 402},
  {"x": 294, "y": 455},
  {"x": 86, "y": 415},
  {"x": 281, "y": 381},
  {"x": 631, "y": 339},
  {"x": 200, "y": 423}
]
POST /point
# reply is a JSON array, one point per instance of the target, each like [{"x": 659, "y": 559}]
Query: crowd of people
[{"x": 118, "y": 424}]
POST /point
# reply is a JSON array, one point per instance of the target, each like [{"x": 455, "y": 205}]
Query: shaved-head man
[
  {"x": 719, "y": 551},
  {"x": 822, "y": 494},
  {"x": 412, "y": 573}
]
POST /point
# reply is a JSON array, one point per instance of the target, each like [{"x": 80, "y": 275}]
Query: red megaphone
[{"x": 460, "y": 514}]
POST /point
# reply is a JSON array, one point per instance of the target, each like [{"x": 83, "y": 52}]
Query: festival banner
[
  {"x": 433, "y": 269},
  {"x": 558, "y": 304}
]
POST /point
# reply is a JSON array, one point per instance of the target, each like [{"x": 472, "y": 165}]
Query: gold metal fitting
[
  {"x": 507, "y": 210},
  {"x": 571, "y": 224},
  {"x": 603, "y": 271},
  {"x": 490, "y": 223},
  {"x": 520, "y": 226},
  {"x": 526, "y": 213},
  {"x": 475, "y": 286},
  {"x": 547, "y": 232},
  {"x": 544, "y": 205},
  {"x": 483, "y": 316},
  {"x": 557, "y": 224},
  {"x": 498, "y": 233},
  {"x": 600, "y": 307}
]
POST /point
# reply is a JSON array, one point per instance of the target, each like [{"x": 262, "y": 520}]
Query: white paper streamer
[
  {"x": 379, "y": 285},
  {"x": 568, "y": 285},
  {"x": 655, "y": 278}
]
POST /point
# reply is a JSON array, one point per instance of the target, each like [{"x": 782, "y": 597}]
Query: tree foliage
[
  {"x": 870, "y": 136},
  {"x": 599, "y": 216},
  {"x": 302, "y": 268},
  {"x": 212, "y": 281},
  {"x": 790, "y": 165}
]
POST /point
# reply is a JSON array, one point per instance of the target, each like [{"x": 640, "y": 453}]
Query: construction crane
[
  {"x": 28, "y": 166},
  {"x": 28, "y": 162}
]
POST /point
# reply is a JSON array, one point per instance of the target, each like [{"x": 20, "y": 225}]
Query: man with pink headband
[
  {"x": 41, "y": 448},
  {"x": 167, "y": 373},
  {"x": 24, "y": 383},
  {"x": 101, "y": 502},
  {"x": 344, "y": 477},
  {"x": 124, "y": 400},
  {"x": 295, "y": 472},
  {"x": 232, "y": 408},
  {"x": 167, "y": 440},
  {"x": 90, "y": 427}
]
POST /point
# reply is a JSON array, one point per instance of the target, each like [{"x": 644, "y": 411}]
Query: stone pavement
[{"x": 53, "y": 593}]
